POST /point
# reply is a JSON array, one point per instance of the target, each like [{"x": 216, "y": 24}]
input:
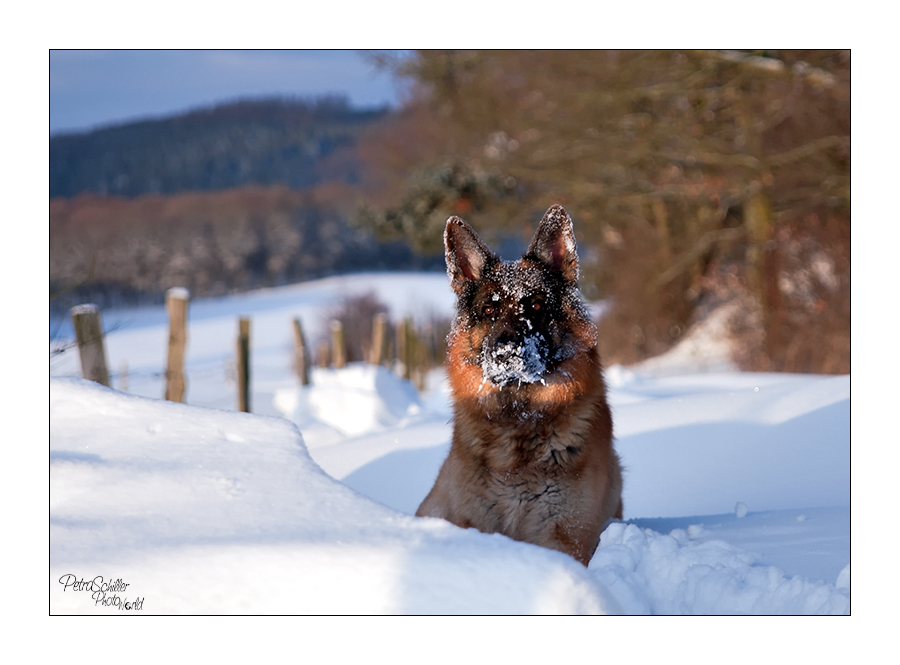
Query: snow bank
[
  {"x": 698, "y": 445},
  {"x": 652, "y": 573},
  {"x": 202, "y": 511},
  {"x": 191, "y": 510}
]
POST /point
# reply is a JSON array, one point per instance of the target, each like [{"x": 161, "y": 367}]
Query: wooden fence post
[
  {"x": 402, "y": 343},
  {"x": 426, "y": 351},
  {"x": 379, "y": 338},
  {"x": 338, "y": 348},
  {"x": 243, "y": 364},
  {"x": 419, "y": 357},
  {"x": 406, "y": 347},
  {"x": 301, "y": 353},
  {"x": 89, "y": 334},
  {"x": 177, "y": 306},
  {"x": 429, "y": 346}
]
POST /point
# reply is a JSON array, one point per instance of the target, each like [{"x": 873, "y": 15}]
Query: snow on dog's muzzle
[{"x": 508, "y": 362}]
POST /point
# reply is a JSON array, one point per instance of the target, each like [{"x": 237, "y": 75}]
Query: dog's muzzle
[{"x": 507, "y": 361}]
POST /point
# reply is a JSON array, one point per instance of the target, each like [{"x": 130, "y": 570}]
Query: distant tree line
[
  {"x": 116, "y": 251},
  {"x": 235, "y": 197},
  {"x": 274, "y": 141}
]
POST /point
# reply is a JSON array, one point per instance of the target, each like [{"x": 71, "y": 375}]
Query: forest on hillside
[
  {"x": 248, "y": 142},
  {"x": 696, "y": 180},
  {"x": 239, "y": 196}
]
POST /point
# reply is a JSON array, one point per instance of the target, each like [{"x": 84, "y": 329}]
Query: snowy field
[{"x": 737, "y": 485}]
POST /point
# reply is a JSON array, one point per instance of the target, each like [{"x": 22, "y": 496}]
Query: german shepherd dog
[{"x": 531, "y": 455}]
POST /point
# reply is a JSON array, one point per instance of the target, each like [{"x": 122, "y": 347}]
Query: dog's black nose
[{"x": 506, "y": 339}]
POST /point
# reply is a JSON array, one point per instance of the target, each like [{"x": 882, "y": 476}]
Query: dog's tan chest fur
[{"x": 545, "y": 481}]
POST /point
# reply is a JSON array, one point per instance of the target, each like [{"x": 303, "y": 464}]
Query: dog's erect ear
[
  {"x": 467, "y": 257},
  {"x": 554, "y": 244}
]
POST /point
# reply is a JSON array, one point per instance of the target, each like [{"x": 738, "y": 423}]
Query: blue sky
[{"x": 95, "y": 88}]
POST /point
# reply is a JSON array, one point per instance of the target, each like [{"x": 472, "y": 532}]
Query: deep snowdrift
[
  {"x": 213, "y": 512},
  {"x": 198, "y": 510},
  {"x": 737, "y": 486}
]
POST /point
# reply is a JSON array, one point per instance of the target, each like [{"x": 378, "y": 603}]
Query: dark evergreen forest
[{"x": 258, "y": 142}]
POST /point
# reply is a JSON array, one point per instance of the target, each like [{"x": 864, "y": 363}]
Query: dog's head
[{"x": 518, "y": 316}]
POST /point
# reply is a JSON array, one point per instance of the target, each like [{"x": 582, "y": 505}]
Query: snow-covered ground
[{"x": 737, "y": 485}]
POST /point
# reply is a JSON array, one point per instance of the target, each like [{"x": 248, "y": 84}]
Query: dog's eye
[
  {"x": 536, "y": 305},
  {"x": 488, "y": 310}
]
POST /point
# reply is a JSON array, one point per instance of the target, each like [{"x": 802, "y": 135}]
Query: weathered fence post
[
  {"x": 426, "y": 353},
  {"x": 89, "y": 335},
  {"x": 419, "y": 358},
  {"x": 406, "y": 347},
  {"x": 301, "y": 354},
  {"x": 243, "y": 364},
  {"x": 338, "y": 348},
  {"x": 429, "y": 346},
  {"x": 177, "y": 306},
  {"x": 379, "y": 338},
  {"x": 402, "y": 348}
]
